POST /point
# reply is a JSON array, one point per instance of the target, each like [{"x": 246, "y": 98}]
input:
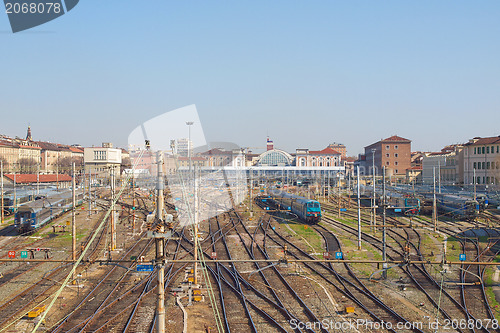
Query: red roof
[
  {"x": 395, "y": 138},
  {"x": 486, "y": 141},
  {"x": 193, "y": 158},
  {"x": 76, "y": 149},
  {"x": 31, "y": 178},
  {"x": 415, "y": 168},
  {"x": 326, "y": 151}
]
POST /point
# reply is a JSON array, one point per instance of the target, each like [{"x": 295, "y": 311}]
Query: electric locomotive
[{"x": 307, "y": 210}]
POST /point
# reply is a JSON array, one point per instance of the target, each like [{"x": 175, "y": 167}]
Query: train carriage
[
  {"x": 457, "y": 206},
  {"x": 33, "y": 215},
  {"x": 306, "y": 209}
]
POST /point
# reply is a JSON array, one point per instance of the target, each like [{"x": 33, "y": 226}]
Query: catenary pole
[
  {"x": 384, "y": 248},
  {"x": 160, "y": 243},
  {"x": 359, "y": 214}
]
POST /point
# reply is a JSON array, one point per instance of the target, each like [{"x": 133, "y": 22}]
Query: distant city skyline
[
  {"x": 304, "y": 74},
  {"x": 260, "y": 147}
]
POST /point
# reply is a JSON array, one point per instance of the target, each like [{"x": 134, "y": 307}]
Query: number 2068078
[{"x": 32, "y": 8}]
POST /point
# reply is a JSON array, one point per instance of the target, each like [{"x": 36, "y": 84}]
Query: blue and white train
[
  {"x": 33, "y": 215},
  {"x": 307, "y": 210}
]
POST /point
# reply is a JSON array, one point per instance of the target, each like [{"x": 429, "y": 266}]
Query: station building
[{"x": 482, "y": 161}]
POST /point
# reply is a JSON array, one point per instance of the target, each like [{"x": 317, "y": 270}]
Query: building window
[
  {"x": 487, "y": 180},
  {"x": 483, "y": 166},
  {"x": 474, "y": 165},
  {"x": 396, "y": 155},
  {"x": 492, "y": 149},
  {"x": 487, "y": 150},
  {"x": 396, "y": 147},
  {"x": 396, "y": 163},
  {"x": 396, "y": 171},
  {"x": 387, "y": 155},
  {"x": 498, "y": 149},
  {"x": 475, "y": 149},
  {"x": 478, "y": 181},
  {"x": 99, "y": 155},
  {"x": 482, "y": 150},
  {"x": 387, "y": 147},
  {"x": 487, "y": 165},
  {"x": 387, "y": 163}
]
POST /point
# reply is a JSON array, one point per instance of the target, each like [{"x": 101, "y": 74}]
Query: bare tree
[
  {"x": 5, "y": 163},
  {"x": 27, "y": 165},
  {"x": 65, "y": 164},
  {"x": 126, "y": 164}
]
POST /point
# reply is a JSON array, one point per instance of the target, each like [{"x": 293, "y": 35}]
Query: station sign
[
  {"x": 24, "y": 254},
  {"x": 326, "y": 255},
  {"x": 213, "y": 255},
  {"x": 145, "y": 268},
  {"x": 338, "y": 255},
  {"x": 12, "y": 254},
  {"x": 343, "y": 209},
  {"x": 462, "y": 257}
]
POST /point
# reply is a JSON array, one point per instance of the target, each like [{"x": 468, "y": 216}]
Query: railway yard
[{"x": 260, "y": 268}]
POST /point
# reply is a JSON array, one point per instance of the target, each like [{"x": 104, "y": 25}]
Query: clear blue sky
[{"x": 305, "y": 72}]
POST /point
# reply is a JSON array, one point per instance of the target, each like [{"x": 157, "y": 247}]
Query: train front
[
  {"x": 313, "y": 212},
  {"x": 24, "y": 220}
]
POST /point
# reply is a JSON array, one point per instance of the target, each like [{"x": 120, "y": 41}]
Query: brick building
[{"x": 394, "y": 153}]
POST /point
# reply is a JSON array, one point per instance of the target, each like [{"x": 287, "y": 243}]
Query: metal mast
[
  {"x": 359, "y": 214},
  {"x": 160, "y": 244}
]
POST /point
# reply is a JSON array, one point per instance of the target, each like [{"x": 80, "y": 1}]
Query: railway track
[{"x": 449, "y": 306}]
